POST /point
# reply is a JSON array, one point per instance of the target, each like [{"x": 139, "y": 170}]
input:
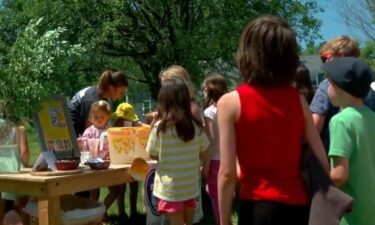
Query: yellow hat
[{"x": 126, "y": 111}]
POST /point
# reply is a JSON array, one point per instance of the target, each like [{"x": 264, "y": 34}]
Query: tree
[
  {"x": 368, "y": 53},
  {"x": 148, "y": 36},
  {"x": 312, "y": 49},
  {"x": 82, "y": 20},
  {"x": 195, "y": 34},
  {"x": 359, "y": 15},
  {"x": 37, "y": 68}
]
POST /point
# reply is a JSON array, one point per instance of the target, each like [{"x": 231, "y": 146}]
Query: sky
[{"x": 332, "y": 23}]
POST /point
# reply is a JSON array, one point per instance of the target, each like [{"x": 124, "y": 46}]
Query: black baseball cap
[{"x": 351, "y": 74}]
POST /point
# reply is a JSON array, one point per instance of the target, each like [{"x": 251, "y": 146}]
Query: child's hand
[
  {"x": 106, "y": 156},
  {"x": 205, "y": 169}
]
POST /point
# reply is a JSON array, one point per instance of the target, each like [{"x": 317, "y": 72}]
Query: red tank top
[{"x": 268, "y": 143}]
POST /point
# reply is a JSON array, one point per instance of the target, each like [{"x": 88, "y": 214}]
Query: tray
[{"x": 56, "y": 173}]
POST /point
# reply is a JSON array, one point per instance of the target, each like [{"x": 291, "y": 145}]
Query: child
[
  {"x": 125, "y": 117},
  {"x": 262, "y": 124},
  {"x": 322, "y": 110},
  {"x": 100, "y": 113},
  {"x": 180, "y": 72},
  {"x": 177, "y": 141},
  {"x": 214, "y": 86},
  {"x": 303, "y": 83},
  {"x": 352, "y": 136}
]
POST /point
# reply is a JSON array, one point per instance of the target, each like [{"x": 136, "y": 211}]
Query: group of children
[
  {"x": 260, "y": 127},
  {"x": 100, "y": 116},
  {"x": 177, "y": 147},
  {"x": 252, "y": 136},
  {"x": 264, "y": 106}
]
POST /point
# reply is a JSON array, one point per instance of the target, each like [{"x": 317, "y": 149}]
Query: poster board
[{"x": 54, "y": 128}]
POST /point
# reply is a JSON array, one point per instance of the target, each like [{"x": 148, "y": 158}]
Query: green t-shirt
[{"x": 352, "y": 134}]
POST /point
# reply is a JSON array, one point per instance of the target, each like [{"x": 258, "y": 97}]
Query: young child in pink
[
  {"x": 214, "y": 86},
  {"x": 100, "y": 113}
]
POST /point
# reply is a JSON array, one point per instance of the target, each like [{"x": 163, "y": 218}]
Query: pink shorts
[{"x": 173, "y": 207}]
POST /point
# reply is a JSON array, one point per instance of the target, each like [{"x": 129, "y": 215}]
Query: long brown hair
[
  {"x": 268, "y": 53},
  {"x": 303, "y": 83},
  {"x": 112, "y": 78},
  {"x": 215, "y": 86},
  {"x": 174, "y": 109}
]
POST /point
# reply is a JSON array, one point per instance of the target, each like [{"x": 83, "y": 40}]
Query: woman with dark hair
[{"x": 112, "y": 86}]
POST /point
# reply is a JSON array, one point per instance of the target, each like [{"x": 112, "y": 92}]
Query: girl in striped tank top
[{"x": 177, "y": 141}]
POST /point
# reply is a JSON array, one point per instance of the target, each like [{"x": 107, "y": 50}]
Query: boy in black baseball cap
[{"x": 352, "y": 130}]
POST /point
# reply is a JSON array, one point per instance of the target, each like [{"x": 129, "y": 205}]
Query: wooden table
[{"x": 48, "y": 189}]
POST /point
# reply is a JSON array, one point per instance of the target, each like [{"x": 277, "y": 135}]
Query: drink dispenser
[
  {"x": 9, "y": 147},
  {"x": 127, "y": 143}
]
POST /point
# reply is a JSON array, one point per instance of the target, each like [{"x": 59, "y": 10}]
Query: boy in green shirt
[{"x": 352, "y": 147}]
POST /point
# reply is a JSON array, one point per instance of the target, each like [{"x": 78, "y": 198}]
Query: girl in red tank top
[{"x": 262, "y": 124}]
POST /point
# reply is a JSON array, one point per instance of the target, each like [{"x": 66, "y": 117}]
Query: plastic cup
[
  {"x": 139, "y": 169},
  {"x": 93, "y": 147},
  {"x": 85, "y": 155}
]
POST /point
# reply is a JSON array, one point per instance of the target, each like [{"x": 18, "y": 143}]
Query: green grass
[{"x": 112, "y": 211}]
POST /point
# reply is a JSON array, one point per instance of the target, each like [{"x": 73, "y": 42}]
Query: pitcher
[{"x": 9, "y": 148}]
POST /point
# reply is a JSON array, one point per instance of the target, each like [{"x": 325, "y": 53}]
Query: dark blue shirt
[{"x": 79, "y": 107}]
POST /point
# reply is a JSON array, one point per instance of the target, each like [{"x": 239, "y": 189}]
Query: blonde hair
[
  {"x": 341, "y": 46},
  {"x": 180, "y": 72},
  {"x": 102, "y": 106}
]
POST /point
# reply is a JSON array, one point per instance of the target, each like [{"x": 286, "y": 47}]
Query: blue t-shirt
[{"x": 322, "y": 106}]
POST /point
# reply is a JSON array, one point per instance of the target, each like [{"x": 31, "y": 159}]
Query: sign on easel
[
  {"x": 54, "y": 128},
  {"x": 45, "y": 160}
]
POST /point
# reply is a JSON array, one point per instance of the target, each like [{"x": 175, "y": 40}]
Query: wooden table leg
[
  {"x": 49, "y": 211},
  {"x": 2, "y": 208}
]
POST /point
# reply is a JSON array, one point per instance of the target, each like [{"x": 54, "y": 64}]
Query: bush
[{"x": 38, "y": 68}]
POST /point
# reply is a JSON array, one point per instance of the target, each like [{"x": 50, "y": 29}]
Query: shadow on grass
[{"x": 139, "y": 219}]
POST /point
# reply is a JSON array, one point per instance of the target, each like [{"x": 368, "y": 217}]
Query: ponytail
[{"x": 112, "y": 78}]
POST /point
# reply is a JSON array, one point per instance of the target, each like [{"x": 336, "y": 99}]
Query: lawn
[{"x": 113, "y": 212}]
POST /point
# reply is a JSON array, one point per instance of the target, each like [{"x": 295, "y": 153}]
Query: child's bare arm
[
  {"x": 318, "y": 121},
  {"x": 228, "y": 111},
  {"x": 203, "y": 155},
  {"x": 24, "y": 146},
  {"x": 312, "y": 136},
  {"x": 340, "y": 170}
]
